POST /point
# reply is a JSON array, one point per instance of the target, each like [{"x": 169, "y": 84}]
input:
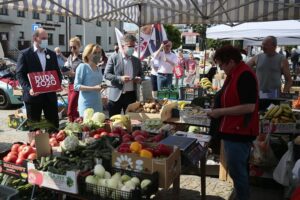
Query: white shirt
[
  {"x": 41, "y": 55},
  {"x": 128, "y": 71},
  {"x": 163, "y": 66}
]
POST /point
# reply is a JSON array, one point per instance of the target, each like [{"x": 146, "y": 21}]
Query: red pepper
[
  {"x": 124, "y": 150},
  {"x": 164, "y": 149}
]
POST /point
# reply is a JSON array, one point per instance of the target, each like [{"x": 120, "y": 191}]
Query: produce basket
[
  {"x": 7, "y": 193},
  {"x": 100, "y": 192}
]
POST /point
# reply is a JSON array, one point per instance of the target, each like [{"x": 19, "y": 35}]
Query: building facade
[{"x": 16, "y": 28}]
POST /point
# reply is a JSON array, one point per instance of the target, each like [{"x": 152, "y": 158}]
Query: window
[
  {"x": 50, "y": 38},
  {"x": 109, "y": 40},
  {"x": 78, "y": 20},
  {"x": 49, "y": 17},
  {"x": 35, "y": 15},
  {"x": 21, "y": 13},
  {"x": 61, "y": 19},
  {"x": 98, "y": 40},
  {"x": 3, "y": 11},
  {"x": 61, "y": 39},
  {"x": 98, "y": 23},
  {"x": 80, "y": 37},
  {"x": 109, "y": 23},
  {"x": 21, "y": 34}
]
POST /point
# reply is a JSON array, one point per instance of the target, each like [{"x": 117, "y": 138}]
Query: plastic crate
[
  {"x": 101, "y": 192},
  {"x": 7, "y": 193}
]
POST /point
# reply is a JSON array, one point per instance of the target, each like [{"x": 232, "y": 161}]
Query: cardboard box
[
  {"x": 13, "y": 169},
  {"x": 66, "y": 183},
  {"x": 267, "y": 126},
  {"x": 164, "y": 114},
  {"x": 168, "y": 168}
]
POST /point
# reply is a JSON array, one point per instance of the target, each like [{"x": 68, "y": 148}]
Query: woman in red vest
[{"x": 236, "y": 109}]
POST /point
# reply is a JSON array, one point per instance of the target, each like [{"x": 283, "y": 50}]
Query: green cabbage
[
  {"x": 88, "y": 114},
  {"x": 70, "y": 143},
  {"x": 98, "y": 117}
]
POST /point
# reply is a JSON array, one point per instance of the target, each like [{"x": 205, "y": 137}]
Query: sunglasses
[{"x": 73, "y": 47}]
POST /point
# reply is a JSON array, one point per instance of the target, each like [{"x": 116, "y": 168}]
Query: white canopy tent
[
  {"x": 287, "y": 32},
  {"x": 142, "y": 12}
]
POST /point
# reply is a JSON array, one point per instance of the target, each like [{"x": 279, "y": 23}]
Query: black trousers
[
  {"x": 34, "y": 111},
  {"x": 115, "y": 108}
]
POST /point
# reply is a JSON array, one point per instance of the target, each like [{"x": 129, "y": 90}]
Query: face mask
[
  {"x": 129, "y": 51},
  {"x": 44, "y": 44},
  {"x": 96, "y": 58}
]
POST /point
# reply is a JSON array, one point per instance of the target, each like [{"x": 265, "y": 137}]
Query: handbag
[{"x": 178, "y": 71}]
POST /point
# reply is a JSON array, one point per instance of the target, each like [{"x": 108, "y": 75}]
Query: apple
[
  {"x": 136, "y": 133},
  {"x": 97, "y": 136},
  {"x": 139, "y": 138},
  {"x": 114, "y": 135},
  {"x": 126, "y": 138},
  {"x": 145, "y": 134},
  {"x": 100, "y": 130},
  {"x": 103, "y": 134}
]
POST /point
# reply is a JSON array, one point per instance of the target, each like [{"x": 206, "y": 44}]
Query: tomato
[
  {"x": 21, "y": 147},
  {"x": 32, "y": 156},
  {"x": 103, "y": 134},
  {"x": 97, "y": 136},
  {"x": 12, "y": 153},
  {"x": 53, "y": 135},
  {"x": 19, "y": 161},
  {"x": 15, "y": 147},
  {"x": 60, "y": 136},
  {"x": 52, "y": 140},
  {"x": 26, "y": 151},
  {"x": 5, "y": 159},
  {"x": 12, "y": 158},
  {"x": 100, "y": 130}
]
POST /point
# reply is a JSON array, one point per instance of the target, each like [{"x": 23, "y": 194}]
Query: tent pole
[
  {"x": 139, "y": 31},
  {"x": 204, "y": 45}
]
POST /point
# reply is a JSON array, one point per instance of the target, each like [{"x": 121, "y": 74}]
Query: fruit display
[
  {"x": 182, "y": 104},
  {"x": 195, "y": 115},
  {"x": 205, "y": 83},
  {"x": 141, "y": 136},
  {"x": 122, "y": 121},
  {"x": 145, "y": 150},
  {"x": 280, "y": 114},
  {"x": 152, "y": 125},
  {"x": 19, "y": 153}
]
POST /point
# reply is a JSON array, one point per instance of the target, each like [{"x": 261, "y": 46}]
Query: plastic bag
[
  {"x": 283, "y": 171},
  {"x": 178, "y": 71},
  {"x": 262, "y": 153}
]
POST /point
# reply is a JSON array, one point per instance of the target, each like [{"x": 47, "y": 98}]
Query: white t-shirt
[{"x": 163, "y": 66}]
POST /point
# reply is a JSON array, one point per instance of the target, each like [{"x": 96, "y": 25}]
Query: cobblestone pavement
[{"x": 189, "y": 184}]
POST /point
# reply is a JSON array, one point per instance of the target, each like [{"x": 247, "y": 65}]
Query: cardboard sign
[{"x": 44, "y": 82}]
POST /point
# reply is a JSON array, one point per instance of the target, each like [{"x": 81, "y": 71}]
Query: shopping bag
[
  {"x": 178, "y": 71},
  {"x": 283, "y": 171}
]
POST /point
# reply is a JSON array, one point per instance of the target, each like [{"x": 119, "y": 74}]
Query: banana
[
  {"x": 286, "y": 119},
  {"x": 278, "y": 112},
  {"x": 267, "y": 114},
  {"x": 116, "y": 117},
  {"x": 287, "y": 110},
  {"x": 273, "y": 111}
]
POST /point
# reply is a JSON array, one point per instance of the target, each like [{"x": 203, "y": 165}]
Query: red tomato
[
  {"x": 100, "y": 130},
  {"x": 32, "y": 156},
  {"x": 53, "y": 144},
  {"x": 52, "y": 140},
  {"x": 19, "y": 161},
  {"x": 103, "y": 134},
  {"x": 26, "y": 151},
  {"x": 15, "y": 147},
  {"x": 12, "y": 153},
  {"x": 21, "y": 147},
  {"x": 97, "y": 136},
  {"x": 53, "y": 135},
  {"x": 5, "y": 159},
  {"x": 12, "y": 158}
]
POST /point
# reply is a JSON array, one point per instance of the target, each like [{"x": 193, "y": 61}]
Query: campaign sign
[{"x": 44, "y": 82}]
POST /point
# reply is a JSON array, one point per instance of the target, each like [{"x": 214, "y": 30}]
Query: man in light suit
[
  {"x": 124, "y": 72},
  {"x": 38, "y": 59}
]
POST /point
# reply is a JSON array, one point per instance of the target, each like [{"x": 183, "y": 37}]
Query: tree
[{"x": 174, "y": 35}]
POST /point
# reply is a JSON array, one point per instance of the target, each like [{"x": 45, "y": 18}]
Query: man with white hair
[{"x": 270, "y": 65}]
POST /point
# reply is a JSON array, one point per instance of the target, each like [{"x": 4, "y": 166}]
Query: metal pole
[
  {"x": 67, "y": 34},
  {"x": 139, "y": 31}
]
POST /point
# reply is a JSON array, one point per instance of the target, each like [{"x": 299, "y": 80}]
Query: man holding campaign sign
[{"x": 39, "y": 75}]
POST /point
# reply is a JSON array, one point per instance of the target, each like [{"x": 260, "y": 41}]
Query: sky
[{"x": 130, "y": 26}]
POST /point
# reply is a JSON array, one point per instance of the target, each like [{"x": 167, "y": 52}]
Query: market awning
[{"x": 143, "y": 12}]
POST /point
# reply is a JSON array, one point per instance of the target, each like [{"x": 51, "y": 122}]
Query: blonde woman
[
  {"x": 88, "y": 79},
  {"x": 69, "y": 70}
]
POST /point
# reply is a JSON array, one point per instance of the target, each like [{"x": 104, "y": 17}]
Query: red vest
[{"x": 229, "y": 98}]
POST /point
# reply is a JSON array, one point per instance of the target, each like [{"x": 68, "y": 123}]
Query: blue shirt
[
  {"x": 60, "y": 60},
  {"x": 86, "y": 76}
]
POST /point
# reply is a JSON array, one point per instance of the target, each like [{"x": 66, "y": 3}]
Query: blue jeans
[
  {"x": 237, "y": 160},
  {"x": 164, "y": 81}
]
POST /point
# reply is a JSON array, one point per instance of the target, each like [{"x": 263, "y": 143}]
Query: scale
[{"x": 189, "y": 147}]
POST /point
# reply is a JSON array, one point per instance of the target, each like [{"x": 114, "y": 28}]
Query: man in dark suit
[
  {"x": 38, "y": 59},
  {"x": 124, "y": 72}
]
